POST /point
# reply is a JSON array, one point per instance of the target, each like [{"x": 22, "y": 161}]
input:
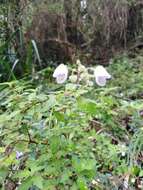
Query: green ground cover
[{"x": 70, "y": 137}]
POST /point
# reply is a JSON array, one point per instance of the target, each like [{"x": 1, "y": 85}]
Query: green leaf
[
  {"x": 55, "y": 143},
  {"x": 23, "y": 174},
  {"x": 87, "y": 105},
  {"x": 3, "y": 174},
  {"x": 59, "y": 116},
  {"x": 82, "y": 184},
  {"x": 82, "y": 164},
  {"x": 34, "y": 167},
  {"x": 2, "y": 149},
  {"x": 141, "y": 173},
  {"x": 135, "y": 170},
  {"x": 64, "y": 177},
  {"x": 74, "y": 187},
  {"x": 51, "y": 102},
  {"x": 38, "y": 181},
  {"x": 26, "y": 184}
]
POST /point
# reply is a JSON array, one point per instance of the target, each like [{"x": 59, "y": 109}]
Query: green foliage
[{"x": 71, "y": 138}]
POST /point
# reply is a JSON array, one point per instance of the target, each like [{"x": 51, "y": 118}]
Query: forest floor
[{"x": 64, "y": 137}]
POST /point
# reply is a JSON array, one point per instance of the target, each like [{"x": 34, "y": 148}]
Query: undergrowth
[{"x": 73, "y": 138}]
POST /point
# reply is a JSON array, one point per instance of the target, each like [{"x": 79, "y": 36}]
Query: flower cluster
[
  {"x": 80, "y": 75},
  {"x": 100, "y": 74}
]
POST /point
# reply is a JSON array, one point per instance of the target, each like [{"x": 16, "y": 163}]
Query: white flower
[
  {"x": 61, "y": 73},
  {"x": 19, "y": 155},
  {"x": 101, "y": 75}
]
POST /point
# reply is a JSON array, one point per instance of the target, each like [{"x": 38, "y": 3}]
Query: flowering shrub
[{"x": 71, "y": 138}]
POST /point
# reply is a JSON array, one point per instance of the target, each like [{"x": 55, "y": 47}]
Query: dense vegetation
[
  {"x": 81, "y": 132},
  {"x": 73, "y": 137},
  {"x": 34, "y": 34}
]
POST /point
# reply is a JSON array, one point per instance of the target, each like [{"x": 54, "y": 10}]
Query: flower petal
[
  {"x": 18, "y": 155},
  {"x": 101, "y": 80},
  {"x": 101, "y": 71},
  {"x": 60, "y": 70},
  {"x": 61, "y": 73},
  {"x": 61, "y": 78}
]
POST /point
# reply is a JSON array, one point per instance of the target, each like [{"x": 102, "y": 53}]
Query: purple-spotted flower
[
  {"x": 61, "y": 73},
  {"x": 101, "y": 75}
]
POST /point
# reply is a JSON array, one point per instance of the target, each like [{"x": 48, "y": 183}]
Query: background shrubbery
[{"x": 91, "y": 30}]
